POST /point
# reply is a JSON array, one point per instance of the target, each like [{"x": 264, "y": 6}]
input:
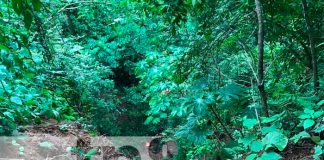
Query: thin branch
[
  {"x": 255, "y": 109},
  {"x": 80, "y": 2},
  {"x": 249, "y": 60},
  {"x": 221, "y": 122}
]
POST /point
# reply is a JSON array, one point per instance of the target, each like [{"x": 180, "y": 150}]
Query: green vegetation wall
[{"x": 226, "y": 79}]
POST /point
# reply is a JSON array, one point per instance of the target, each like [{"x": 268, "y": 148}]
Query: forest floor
[
  {"x": 299, "y": 152},
  {"x": 53, "y": 141},
  {"x": 50, "y": 141}
]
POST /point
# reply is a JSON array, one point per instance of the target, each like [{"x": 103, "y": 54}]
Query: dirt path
[{"x": 51, "y": 141}]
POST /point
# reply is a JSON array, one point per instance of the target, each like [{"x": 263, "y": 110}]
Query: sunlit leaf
[
  {"x": 251, "y": 156},
  {"x": 308, "y": 123},
  {"x": 249, "y": 123},
  {"x": 256, "y": 146},
  {"x": 299, "y": 136},
  {"x": 275, "y": 139},
  {"x": 16, "y": 100}
]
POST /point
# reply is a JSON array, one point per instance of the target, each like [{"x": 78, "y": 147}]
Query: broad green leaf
[
  {"x": 272, "y": 118},
  {"x": 178, "y": 111},
  {"x": 156, "y": 120},
  {"x": 231, "y": 91},
  {"x": 37, "y": 59},
  {"x": 24, "y": 53},
  {"x": 28, "y": 18},
  {"x": 200, "y": 106},
  {"x": 317, "y": 114},
  {"x": 9, "y": 115},
  {"x": 16, "y": 100},
  {"x": 247, "y": 140},
  {"x": 320, "y": 103},
  {"x": 304, "y": 116},
  {"x": 37, "y": 4},
  {"x": 163, "y": 115},
  {"x": 91, "y": 152},
  {"x": 316, "y": 139},
  {"x": 316, "y": 157},
  {"x": 309, "y": 111},
  {"x": 266, "y": 130},
  {"x": 318, "y": 150},
  {"x": 193, "y": 2},
  {"x": 69, "y": 118},
  {"x": 308, "y": 123},
  {"x": 299, "y": 136},
  {"x": 249, "y": 123},
  {"x": 319, "y": 128},
  {"x": 275, "y": 139},
  {"x": 269, "y": 156},
  {"x": 2, "y": 47},
  {"x": 17, "y": 6},
  {"x": 251, "y": 156},
  {"x": 256, "y": 146}
]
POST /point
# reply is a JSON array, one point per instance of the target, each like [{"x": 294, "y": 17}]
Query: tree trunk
[
  {"x": 312, "y": 46},
  {"x": 262, "y": 91}
]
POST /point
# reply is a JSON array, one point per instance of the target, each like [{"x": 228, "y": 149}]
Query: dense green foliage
[{"x": 185, "y": 69}]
